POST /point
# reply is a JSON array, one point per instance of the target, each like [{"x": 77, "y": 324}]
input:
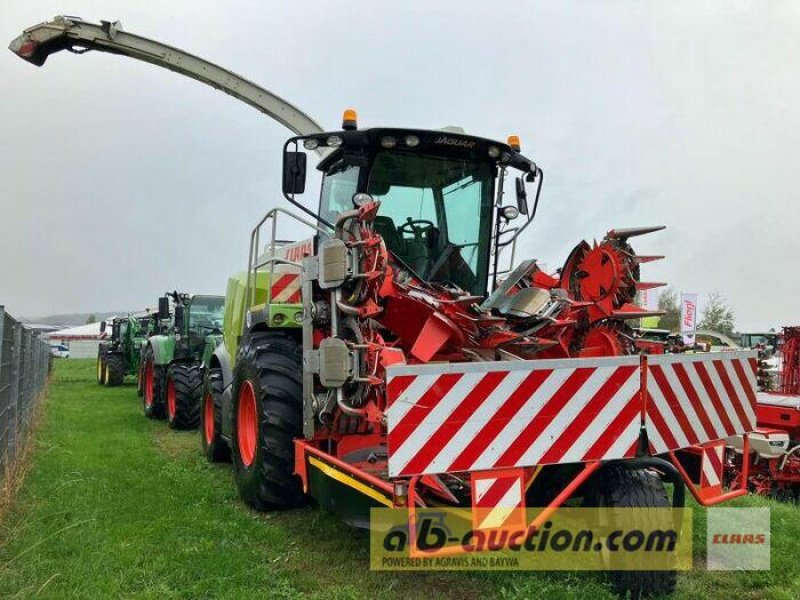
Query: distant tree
[
  {"x": 669, "y": 305},
  {"x": 718, "y": 315},
  {"x": 91, "y": 318}
]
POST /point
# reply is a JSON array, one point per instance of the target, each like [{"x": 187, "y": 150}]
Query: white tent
[{"x": 82, "y": 340}]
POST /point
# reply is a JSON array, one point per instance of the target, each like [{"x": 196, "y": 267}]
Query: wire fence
[{"x": 24, "y": 367}]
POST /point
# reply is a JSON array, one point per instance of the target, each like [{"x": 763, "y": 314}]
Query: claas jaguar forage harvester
[
  {"x": 386, "y": 361},
  {"x": 390, "y": 360}
]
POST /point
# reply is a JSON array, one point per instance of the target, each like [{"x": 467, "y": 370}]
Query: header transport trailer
[{"x": 389, "y": 361}]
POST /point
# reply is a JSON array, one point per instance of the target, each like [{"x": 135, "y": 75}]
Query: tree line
[{"x": 717, "y": 314}]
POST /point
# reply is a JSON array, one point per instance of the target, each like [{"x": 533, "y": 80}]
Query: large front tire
[
  {"x": 184, "y": 389},
  {"x": 153, "y": 399},
  {"x": 267, "y": 417},
  {"x": 621, "y": 487},
  {"x": 101, "y": 367},
  {"x": 115, "y": 370},
  {"x": 214, "y": 447}
]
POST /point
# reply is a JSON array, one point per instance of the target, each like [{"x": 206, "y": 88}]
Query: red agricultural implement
[
  {"x": 389, "y": 360},
  {"x": 773, "y": 461}
]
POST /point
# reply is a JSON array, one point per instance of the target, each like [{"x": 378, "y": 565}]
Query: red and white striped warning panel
[
  {"x": 499, "y": 415},
  {"x": 712, "y": 463},
  {"x": 498, "y": 499},
  {"x": 285, "y": 288},
  {"x": 697, "y": 398},
  {"x": 482, "y": 416}
]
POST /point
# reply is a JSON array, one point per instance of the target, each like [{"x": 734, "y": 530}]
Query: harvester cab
[{"x": 188, "y": 330}]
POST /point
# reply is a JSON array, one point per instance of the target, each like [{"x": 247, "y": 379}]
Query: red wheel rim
[
  {"x": 208, "y": 417},
  {"x": 247, "y": 423},
  {"x": 148, "y": 384},
  {"x": 171, "y": 403}
]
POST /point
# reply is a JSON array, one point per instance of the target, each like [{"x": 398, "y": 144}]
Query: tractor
[
  {"x": 174, "y": 359},
  {"x": 401, "y": 356},
  {"x": 120, "y": 355}
]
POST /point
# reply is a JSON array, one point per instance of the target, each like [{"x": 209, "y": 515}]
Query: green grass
[{"x": 114, "y": 505}]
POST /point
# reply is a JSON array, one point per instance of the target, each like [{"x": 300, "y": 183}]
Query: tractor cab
[
  {"x": 441, "y": 211},
  {"x": 204, "y": 315},
  {"x": 193, "y": 319}
]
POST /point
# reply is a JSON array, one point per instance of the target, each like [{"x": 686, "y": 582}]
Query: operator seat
[{"x": 384, "y": 226}]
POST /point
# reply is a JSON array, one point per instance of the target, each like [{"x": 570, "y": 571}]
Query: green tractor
[
  {"x": 120, "y": 355},
  {"x": 174, "y": 358}
]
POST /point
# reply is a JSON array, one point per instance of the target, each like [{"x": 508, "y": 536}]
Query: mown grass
[{"x": 114, "y": 505}]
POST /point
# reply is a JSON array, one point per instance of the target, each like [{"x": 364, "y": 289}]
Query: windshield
[
  {"x": 435, "y": 213},
  {"x": 206, "y": 313},
  {"x": 751, "y": 340}
]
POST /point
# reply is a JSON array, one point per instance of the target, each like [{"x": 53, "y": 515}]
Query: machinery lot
[{"x": 120, "y": 506}]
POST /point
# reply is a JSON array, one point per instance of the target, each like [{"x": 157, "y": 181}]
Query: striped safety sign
[
  {"x": 696, "y": 398},
  {"x": 445, "y": 418},
  {"x": 479, "y": 416},
  {"x": 498, "y": 499},
  {"x": 712, "y": 463},
  {"x": 286, "y": 288}
]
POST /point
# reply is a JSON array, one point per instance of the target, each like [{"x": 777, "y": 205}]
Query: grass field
[{"x": 114, "y": 505}]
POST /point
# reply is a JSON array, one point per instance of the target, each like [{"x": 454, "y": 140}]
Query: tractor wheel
[
  {"x": 267, "y": 417},
  {"x": 140, "y": 379},
  {"x": 620, "y": 487},
  {"x": 115, "y": 370},
  {"x": 214, "y": 447},
  {"x": 153, "y": 399},
  {"x": 101, "y": 369},
  {"x": 184, "y": 390}
]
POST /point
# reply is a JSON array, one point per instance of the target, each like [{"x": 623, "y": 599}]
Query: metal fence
[{"x": 24, "y": 366}]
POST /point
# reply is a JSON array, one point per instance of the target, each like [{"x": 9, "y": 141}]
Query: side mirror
[
  {"x": 522, "y": 196},
  {"x": 103, "y": 326},
  {"x": 294, "y": 173},
  {"x": 179, "y": 317},
  {"x": 163, "y": 307}
]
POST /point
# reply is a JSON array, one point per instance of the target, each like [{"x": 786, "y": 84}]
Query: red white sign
[
  {"x": 502, "y": 415},
  {"x": 688, "y": 317}
]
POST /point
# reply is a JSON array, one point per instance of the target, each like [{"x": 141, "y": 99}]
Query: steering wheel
[{"x": 416, "y": 227}]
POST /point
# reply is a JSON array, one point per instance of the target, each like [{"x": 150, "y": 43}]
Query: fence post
[
  {"x": 4, "y": 399},
  {"x": 16, "y": 374}
]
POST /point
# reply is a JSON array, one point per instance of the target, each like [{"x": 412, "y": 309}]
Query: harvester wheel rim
[
  {"x": 171, "y": 400},
  {"x": 208, "y": 418},
  {"x": 247, "y": 424},
  {"x": 148, "y": 384},
  {"x": 100, "y": 370}
]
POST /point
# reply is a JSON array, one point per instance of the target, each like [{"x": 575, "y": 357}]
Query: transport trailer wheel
[
  {"x": 184, "y": 390},
  {"x": 620, "y": 487},
  {"x": 214, "y": 447},
  {"x": 153, "y": 400},
  {"x": 267, "y": 417},
  {"x": 115, "y": 370}
]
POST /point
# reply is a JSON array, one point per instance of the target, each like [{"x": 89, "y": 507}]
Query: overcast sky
[{"x": 119, "y": 180}]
